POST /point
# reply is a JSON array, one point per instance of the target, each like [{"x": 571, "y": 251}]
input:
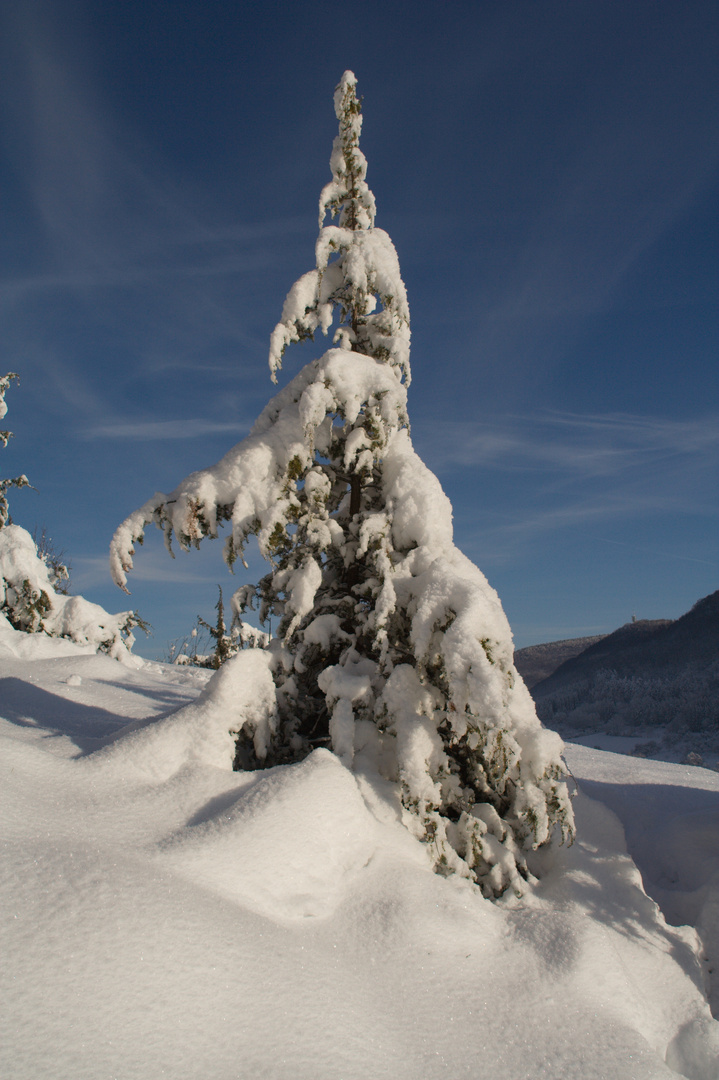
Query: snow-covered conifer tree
[{"x": 392, "y": 649}]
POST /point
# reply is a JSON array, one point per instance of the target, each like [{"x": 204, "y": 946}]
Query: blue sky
[{"x": 548, "y": 172}]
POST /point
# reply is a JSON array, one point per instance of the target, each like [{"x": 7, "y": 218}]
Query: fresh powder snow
[{"x": 163, "y": 915}]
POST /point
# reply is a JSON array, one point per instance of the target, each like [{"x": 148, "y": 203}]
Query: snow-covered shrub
[
  {"x": 33, "y": 596},
  {"x": 31, "y": 604},
  {"x": 392, "y": 648},
  {"x": 54, "y": 559},
  {"x": 198, "y": 648}
]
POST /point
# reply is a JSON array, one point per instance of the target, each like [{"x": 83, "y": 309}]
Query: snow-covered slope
[{"x": 164, "y": 916}]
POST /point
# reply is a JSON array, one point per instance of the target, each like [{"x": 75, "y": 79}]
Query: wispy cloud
[
  {"x": 111, "y": 208},
  {"x": 161, "y": 430},
  {"x": 571, "y": 444},
  {"x": 565, "y": 473},
  {"x": 617, "y": 181},
  {"x": 126, "y": 271},
  {"x": 660, "y": 552},
  {"x": 501, "y": 538},
  {"x": 90, "y": 572},
  {"x": 193, "y": 263}
]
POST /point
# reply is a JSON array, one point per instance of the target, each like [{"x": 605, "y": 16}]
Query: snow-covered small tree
[
  {"x": 33, "y": 598},
  {"x": 54, "y": 559},
  {"x": 5, "y": 436},
  {"x": 218, "y": 634},
  {"x": 392, "y": 649},
  {"x": 30, "y": 603}
]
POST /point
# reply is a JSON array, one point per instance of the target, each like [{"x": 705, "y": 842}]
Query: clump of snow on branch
[{"x": 391, "y": 647}]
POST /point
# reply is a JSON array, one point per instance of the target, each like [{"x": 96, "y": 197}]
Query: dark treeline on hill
[
  {"x": 538, "y": 662},
  {"x": 658, "y": 673}
]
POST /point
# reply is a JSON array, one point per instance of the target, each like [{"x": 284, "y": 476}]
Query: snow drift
[{"x": 193, "y": 920}]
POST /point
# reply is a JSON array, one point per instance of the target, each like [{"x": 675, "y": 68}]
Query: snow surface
[{"x": 164, "y": 916}]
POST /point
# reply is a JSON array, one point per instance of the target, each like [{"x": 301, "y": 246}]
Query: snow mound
[
  {"x": 289, "y": 847},
  {"x": 22, "y": 646},
  {"x": 194, "y": 921},
  {"x": 240, "y": 692}
]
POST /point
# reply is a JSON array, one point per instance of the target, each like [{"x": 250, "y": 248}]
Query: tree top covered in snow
[{"x": 356, "y": 270}]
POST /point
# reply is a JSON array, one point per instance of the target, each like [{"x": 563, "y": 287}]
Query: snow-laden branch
[{"x": 254, "y": 486}]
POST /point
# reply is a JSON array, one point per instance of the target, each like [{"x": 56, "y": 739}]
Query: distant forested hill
[
  {"x": 538, "y": 662},
  {"x": 660, "y": 673}
]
